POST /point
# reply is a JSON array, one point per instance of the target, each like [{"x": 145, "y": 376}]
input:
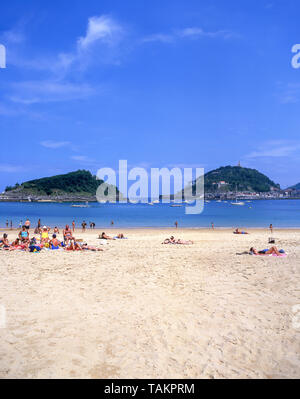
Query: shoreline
[
  {"x": 167, "y": 229},
  {"x": 217, "y": 228}
]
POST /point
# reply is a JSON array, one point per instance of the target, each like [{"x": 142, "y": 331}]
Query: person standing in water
[
  {"x": 176, "y": 224},
  {"x": 271, "y": 228},
  {"x": 212, "y": 225},
  {"x": 11, "y": 225},
  {"x": 73, "y": 226}
]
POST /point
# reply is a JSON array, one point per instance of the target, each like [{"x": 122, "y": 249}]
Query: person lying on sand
[
  {"x": 271, "y": 251},
  {"x": 33, "y": 247},
  {"x": 172, "y": 240},
  {"x": 120, "y": 237},
  {"x": 87, "y": 247},
  {"x": 105, "y": 237},
  {"x": 17, "y": 244},
  {"x": 73, "y": 246},
  {"x": 184, "y": 242},
  {"x": 237, "y": 231}
]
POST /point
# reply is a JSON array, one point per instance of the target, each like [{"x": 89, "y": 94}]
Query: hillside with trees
[
  {"x": 230, "y": 178},
  {"x": 81, "y": 182}
]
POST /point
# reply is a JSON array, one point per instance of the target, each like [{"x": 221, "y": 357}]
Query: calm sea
[{"x": 285, "y": 213}]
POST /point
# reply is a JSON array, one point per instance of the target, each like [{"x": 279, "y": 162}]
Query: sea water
[{"x": 259, "y": 213}]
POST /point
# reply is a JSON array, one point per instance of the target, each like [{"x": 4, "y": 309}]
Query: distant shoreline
[{"x": 119, "y": 202}]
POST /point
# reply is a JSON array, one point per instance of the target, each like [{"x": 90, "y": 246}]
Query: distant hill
[
  {"x": 295, "y": 187},
  {"x": 230, "y": 178},
  {"x": 81, "y": 182}
]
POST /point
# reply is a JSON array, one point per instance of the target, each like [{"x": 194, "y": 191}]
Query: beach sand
[{"x": 145, "y": 310}]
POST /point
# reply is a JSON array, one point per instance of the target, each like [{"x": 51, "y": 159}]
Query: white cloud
[
  {"x": 12, "y": 37},
  {"x": 275, "y": 149},
  {"x": 103, "y": 29},
  {"x": 31, "y": 92},
  {"x": 7, "y": 168},
  {"x": 289, "y": 93},
  {"x": 81, "y": 158},
  {"x": 190, "y": 33},
  {"x": 198, "y": 32},
  {"x": 164, "y": 38},
  {"x": 85, "y": 161},
  {"x": 55, "y": 144}
]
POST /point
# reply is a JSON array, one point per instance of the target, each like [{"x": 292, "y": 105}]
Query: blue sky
[{"x": 160, "y": 84}]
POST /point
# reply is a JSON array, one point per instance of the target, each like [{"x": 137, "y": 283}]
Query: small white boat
[
  {"x": 80, "y": 206},
  {"x": 176, "y": 206},
  {"x": 238, "y": 203},
  {"x": 150, "y": 203}
]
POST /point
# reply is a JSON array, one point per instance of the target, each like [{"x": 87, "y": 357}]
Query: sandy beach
[{"x": 145, "y": 310}]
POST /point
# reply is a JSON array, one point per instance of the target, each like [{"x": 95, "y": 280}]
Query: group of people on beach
[
  {"x": 37, "y": 230},
  {"x": 44, "y": 241},
  {"x": 70, "y": 243}
]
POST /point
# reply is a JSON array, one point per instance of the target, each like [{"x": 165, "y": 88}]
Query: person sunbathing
[
  {"x": 237, "y": 231},
  {"x": 24, "y": 235},
  {"x": 45, "y": 235},
  {"x": 67, "y": 233},
  {"x": 170, "y": 240},
  {"x": 184, "y": 242},
  {"x": 33, "y": 247},
  {"x": 55, "y": 243},
  {"x": 4, "y": 243},
  {"x": 73, "y": 246},
  {"x": 17, "y": 244},
  {"x": 105, "y": 237},
  {"x": 56, "y": 230},
  {"x": 120, "y": 237},
  {"x": 87, "y": 247},
  {"x": 271, "y": 251}
]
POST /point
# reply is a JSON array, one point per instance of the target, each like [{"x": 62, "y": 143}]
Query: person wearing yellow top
[{"x": 45, "y": 235}]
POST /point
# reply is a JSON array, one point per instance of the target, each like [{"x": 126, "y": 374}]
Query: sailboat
[{"x": 238, "y": 203}]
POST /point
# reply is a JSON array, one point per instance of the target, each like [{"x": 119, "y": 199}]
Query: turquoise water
[{"x": 285, "y": 213}]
